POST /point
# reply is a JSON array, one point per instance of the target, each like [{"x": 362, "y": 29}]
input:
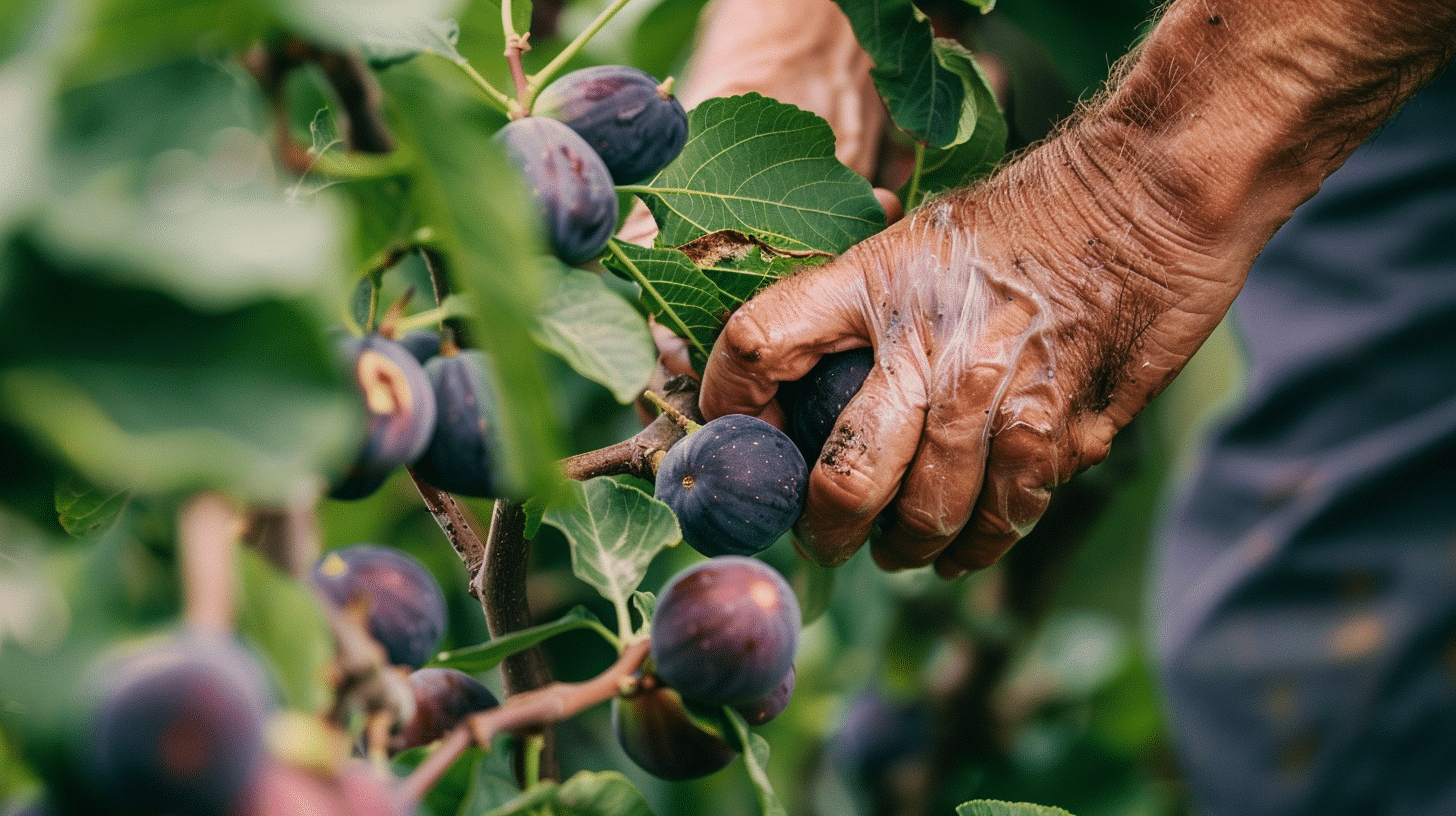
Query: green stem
[
  {"x": 376, "y": 280},
  {"x": 539, "y": 79},
  {"x": 453, "y": 306},
  {"x": 615, "y": 249},
  {"x": 912, "y": 193},
  {"x": 495, "y": 97},
  {"x": 534, "y": 743}
]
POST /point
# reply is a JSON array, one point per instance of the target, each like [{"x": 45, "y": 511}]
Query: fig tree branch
[
  {"x": 638, "y": 455},
  {"x": 527, "y": 711}
]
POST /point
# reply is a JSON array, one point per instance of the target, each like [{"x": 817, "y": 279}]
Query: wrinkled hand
[{"x": 1011, "y": 343}]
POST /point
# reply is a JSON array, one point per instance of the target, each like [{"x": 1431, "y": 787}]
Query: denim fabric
[{"x": 1304, "y": 588}]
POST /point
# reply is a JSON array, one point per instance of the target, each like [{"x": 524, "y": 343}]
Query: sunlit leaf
[{"x": 85, "y": 509}]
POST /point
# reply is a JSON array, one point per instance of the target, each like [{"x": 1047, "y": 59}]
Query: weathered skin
[{"x": 1019, "y": 324}]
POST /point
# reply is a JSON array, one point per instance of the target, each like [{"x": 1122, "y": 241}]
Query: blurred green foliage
[{"x": 168, "y": 302}]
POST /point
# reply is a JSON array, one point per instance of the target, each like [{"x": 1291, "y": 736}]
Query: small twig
[
  {"x": 543, "y": 76},
  {"x": 516, "y": 45},
  {"x": 527, "y": 711},
  {"x": 459, "y": 529},
  {"x": 288, "y": 537},
  {"x": 209, "y": 527},
  {"x": 638, "y": 455}
]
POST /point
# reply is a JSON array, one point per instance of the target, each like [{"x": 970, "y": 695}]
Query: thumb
[{"x": 779, "y": 335}]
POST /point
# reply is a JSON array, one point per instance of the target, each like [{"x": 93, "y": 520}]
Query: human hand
[{"x": 1010, "y": 346}]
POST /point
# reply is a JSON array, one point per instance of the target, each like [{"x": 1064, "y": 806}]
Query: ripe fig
[
  {"x": 813, "y": 402},
  {"x": 422, "y": 343},
  {"x": 461, "y": 455},
  {"x": 179, "y": 728},
  {"x": 736, "y": 485},
  {"x": 629, "y": 118},
  {"x": 571, "y": 185},
  {"x": 406, "y": 607},
  {"x": 769, "y": 706},
  {"x": 725, "y": 631},
  {"x": 443, "y": 698},
  {"x": 665, "y": 739},
  {"x": 400, "y": 407}
]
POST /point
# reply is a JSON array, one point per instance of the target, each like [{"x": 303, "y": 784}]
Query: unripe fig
[
  {"x": 629, "y": 118},
  {"x": 406, "y": 607},
  {"x": 461, "y": 455},
  {"x": 444, "y": 697},
  {"x": 179, "y": 728},
  {"x": 400, "y": 407},
  {"x": 570, "y": 183},
  {"x": 665, "y": 739},
  {"x": 725, "y": 631},
  {"x": 736, "y": 485},
  {"x": 813, "y": 402}
]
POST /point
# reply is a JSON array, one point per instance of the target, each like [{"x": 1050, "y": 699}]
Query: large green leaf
[
  {"x": 615, "y": 530},
  {"x": 946, "y": 168},
  {"x": 598, "y": 333},
  {"x": 764, "y": 168},
  {"x": 345, "y": 23},
  {"x": 483, "y": 220},
  {"x": 926, "y": 89},
  {"x": 138, "y": 390},
  {"x": 674, "y": 290}
]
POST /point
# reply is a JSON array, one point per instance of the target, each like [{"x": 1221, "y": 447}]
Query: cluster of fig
[
  {"x": 406, "y": 616},
  {"x": 591, "y": 130},
  {"x": 724, "y": 633},
  {"x": 429, "y": 405}
]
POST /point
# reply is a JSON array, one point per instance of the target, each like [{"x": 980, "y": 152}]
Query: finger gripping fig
[{"x": 736, "y": 485}]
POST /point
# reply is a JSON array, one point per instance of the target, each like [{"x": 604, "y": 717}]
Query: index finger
[{"x": 779, "y": 335}]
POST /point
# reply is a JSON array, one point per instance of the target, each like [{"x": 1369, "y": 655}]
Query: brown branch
[
  {"x": 528, "y": 711},
  {"x": 638, "y": 456},
  {"x": 209, "y": 526},
  {"x": 458, "y": 526}
]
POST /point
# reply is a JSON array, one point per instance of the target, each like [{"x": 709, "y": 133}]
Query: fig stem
[
  {"x": 687, "y": 424},
  {"x": 639, "y": 454},
  {"x": 912, "y": 187},
  {"x": 451, "y": 306},
  {"x": 539, "y": 79},
  {"x": 550, "y": 704},
  {"x": 504, "y": 103},
  {"x": 516, "y": 45}
]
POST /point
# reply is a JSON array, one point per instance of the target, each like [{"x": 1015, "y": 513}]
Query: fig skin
[
  {"x": 813, "y": 402},
  {"x": 657, "y": 731},
  {"x": 444, "y": 697},
  {"x": 406, "y": 607},
  {"x": 461, "y": 455},
  {"x": 736, "y": 485},
  {"x": 769, "y": 706},
  {"x": 624, "y": 113},
  {"x": 569, "y": 182},
  {"x": 725, "y": 631},
  {"x": 400, "y": 409},
  {"x": 179, "y": 728}
]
